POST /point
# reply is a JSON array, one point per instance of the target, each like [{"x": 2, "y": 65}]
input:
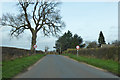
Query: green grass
[
  {"x": 0, "y": 72},
  {"x": 13, "y": 67},
  {"x": 108, "y": 65}
]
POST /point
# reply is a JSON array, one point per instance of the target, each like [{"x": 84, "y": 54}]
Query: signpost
[
  {"x": 35, "y": 46},
  {"x": 77, "y": 47}
]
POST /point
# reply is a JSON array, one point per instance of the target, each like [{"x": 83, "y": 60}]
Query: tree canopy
[{"x": 68, "y": 40}]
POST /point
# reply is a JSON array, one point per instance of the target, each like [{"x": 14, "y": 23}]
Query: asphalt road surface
[{"x": 57, "y": 66}]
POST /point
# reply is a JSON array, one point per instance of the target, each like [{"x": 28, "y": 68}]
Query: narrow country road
[{"x": 57, "y": 66}]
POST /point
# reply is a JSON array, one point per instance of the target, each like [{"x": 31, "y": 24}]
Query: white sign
[
  {"x": 35, "y": 46},
  {"x": 77, "y": 47}
]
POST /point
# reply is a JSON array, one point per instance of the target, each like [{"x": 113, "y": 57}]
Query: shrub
[
  {"x": 10, "y": 53},
  {"x": 101, "y": 53}
]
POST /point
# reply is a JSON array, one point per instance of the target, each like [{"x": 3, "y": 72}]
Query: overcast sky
[{"x": 86, "y": 19}]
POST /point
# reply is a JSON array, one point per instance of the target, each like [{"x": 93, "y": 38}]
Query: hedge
[
  {"x": 101, "y": 53},
  {"x": 9, "y": 53}
]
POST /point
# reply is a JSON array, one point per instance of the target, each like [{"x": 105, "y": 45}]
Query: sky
[{"x": 86, "y": 19}]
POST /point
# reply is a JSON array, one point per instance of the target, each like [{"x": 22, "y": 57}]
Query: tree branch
[
  {"x": 24, "y": 6},
  {"x": 34, "y": 12}
]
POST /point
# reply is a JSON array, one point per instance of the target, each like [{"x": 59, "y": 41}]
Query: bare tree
[
  {"x": 92, "y": 45},
  {"x": 45, "y": 17},
  {"x": 116, "y": 43}
]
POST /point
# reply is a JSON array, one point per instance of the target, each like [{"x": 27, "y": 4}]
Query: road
[{"x": 57, "y": 66}]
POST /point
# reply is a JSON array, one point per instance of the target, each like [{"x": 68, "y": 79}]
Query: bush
[
  {"x": 9, "y": 53},
  {"x": 101, "y": 53}
]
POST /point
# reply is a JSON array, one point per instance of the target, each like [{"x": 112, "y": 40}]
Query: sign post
[
  {"x": 77, "y": 47},
  {"x": 35, "y": 46}
]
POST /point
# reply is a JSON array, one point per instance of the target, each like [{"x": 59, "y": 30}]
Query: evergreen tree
[
  {"x": 64, "y": 41},
  {"x": 101, "y": 39},
  {"x": 76, "y": 40},
  {"x": 67, "y": 41}
]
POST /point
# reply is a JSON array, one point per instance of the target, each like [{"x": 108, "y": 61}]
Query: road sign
[
  {"x": 35, "y": 46},
  {"x": 77, "y": 47}
]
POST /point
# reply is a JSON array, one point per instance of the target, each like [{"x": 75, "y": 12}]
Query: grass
[
  {"x": 108, "y": 65},
  {"x": 0, "y": 70},
  {"x": 13, "y": 67}
]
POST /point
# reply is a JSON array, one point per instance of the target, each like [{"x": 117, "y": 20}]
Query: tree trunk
[{"x": 33, "y": 42}]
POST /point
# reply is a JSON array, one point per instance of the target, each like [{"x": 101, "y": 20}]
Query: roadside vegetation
[
  {"x": 100, "y": 54},
  {"x": 10, "y": 53},
  {"x": 109, "y": 65},
  {"x": 13, "y": 67},
  {"x": 68, "y": 40},
  {"x": 0, "y": 70},
  {"x": 107, "y": 53}
]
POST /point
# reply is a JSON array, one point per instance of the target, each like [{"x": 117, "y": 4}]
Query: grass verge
[
  {"x": 108, "y": 65},
  {"x": 13, "y": 67},
  {"x": 0, "y": 71}
]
